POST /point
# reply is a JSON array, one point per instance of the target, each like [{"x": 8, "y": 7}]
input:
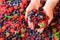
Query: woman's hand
[{"x": 48, "y": 8}]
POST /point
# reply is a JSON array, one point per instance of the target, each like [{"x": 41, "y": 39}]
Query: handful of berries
[{"x": 38, "y": 18}]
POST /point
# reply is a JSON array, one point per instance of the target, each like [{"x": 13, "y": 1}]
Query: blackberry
[{"x": 37, "y": 26}]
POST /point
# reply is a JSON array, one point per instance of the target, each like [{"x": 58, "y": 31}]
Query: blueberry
[
  {"x": 15, "y": 2},
  {"x": 36, "y": 38},
  {"x": 41, "y": 13},
  {"x": 37, "y": 33},
  {"x": 1, "y": 24},
  {"x": 15, "y": 12},
  {"x": 40, "y": 9},
  {"x": 32, "y": 13},
  {"x": 17, "y": 29},
  {"x": 28, "y": 38},
  {"x": 31, "y": 33},
  {"x": 23, "y": 20},
  {"x": 3, "y": 16},
  {"x": 37, "y": 26},
  {"x": 7, "y": 30},
  {"x": 36, "y": 20},
  {"x": 58, "y": 22},
  {"x": 9, "y": 38},
  {"x": 26, "y": 23},
  {"x": 15, "y": 21},
  {"x": 28, "y": 29}
]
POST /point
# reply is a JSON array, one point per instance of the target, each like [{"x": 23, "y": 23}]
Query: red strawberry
[
  {"x": 12, "y": 30},
  {"x": 2, "y": 38},
  {"x": 23, "y": 36},
  {"x": 21, "y": 10},
  {"x": 47, "y": 38},
  {"x": 14, "y": 39},
  {"x": 3, "y": 28},
  {"x": 2, "y": 1},
  {"x": 16, "y": 25},
  {"x": 23, "y": 30},
  {"x": 56, "y": 38},
  {"x": 27, "y": 34},
  {"x": 54, "y": 30},
  {"x": 9, "y": 22},
  {"x": 3, "y": 9},
  {"x": 0, "y": 30},
  {"x": 22, "y": 16},
  {"x": 16, "y": 7},
  {"x": 31, "y": 38},
  {"x": 25, "y": 1},
  {"x": 21, "y": 5},
  {"x": 15, "y": 16},
  {"x": 10, "y": 9}
]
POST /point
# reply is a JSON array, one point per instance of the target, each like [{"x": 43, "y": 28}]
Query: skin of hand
[{"x": 48, "y": 8}]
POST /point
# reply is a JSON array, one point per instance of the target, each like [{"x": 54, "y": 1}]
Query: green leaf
[
  {"x": 42, "y": 24},
  {"x": 55, "y": 34},
  {"x": 54, "y": 28},
  {"x": 7, "y": 16},
  {"x": 24, "y": 29},
  {"x": 22, "y": 35},
  {"x": 9, "y": 0},
  {"x": 0, "y": 2}
]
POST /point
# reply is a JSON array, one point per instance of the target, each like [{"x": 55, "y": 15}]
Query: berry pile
[{"x": 13, "y": 25}]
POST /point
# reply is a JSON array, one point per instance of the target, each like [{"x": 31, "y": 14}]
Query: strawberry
[
  {"x": 1, "y": 1},
  {"x": 23, "y": 36},
  {"x": 56, "y": 38},
  {"x": 23, "y": 30},
  {"x": 22, "y": 16},
  {"x": 15, "y": 16},
  {"x": 16, "y": 25},
  {"x": 56, "y": 35},
  {"x": 25, "y": 1},
  {"x": 14, "y": 38},
  {"x": 27, "y": 34},
  {"x": 7, "y": 34},
  {"x": 3, "y": 9},
  {"x": 47, "y": 38},
  {"x": 21, "y": 10},
  {"x": 10, "y": 9},
  {"x": 21, "y": 5},
  {"x": 9, "y": 22},
  {"x": 3, "y": 28},
  {"x": 2, "y": 38},
  {"x": 42, "y": 25},
  {"x": 0, "y": 30},
  {"x": 54, "y": 30},
  {"x": 12, "y": 30},
  {"x": 16, "y": 7}
]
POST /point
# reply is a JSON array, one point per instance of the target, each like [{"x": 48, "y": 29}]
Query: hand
[{"x": 48, "y": 8}]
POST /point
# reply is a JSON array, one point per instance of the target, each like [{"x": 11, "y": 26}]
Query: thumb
[{"x": 29, "y": 8}]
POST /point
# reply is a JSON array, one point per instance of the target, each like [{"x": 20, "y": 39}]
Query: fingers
[
  {"x": 40, "y": 30},
  {"x": 29, "y": 8},
  {"x": 30, "y": 24},
  {"x": 49, "y": 13},
  {"x": 50, "y": 4}
]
